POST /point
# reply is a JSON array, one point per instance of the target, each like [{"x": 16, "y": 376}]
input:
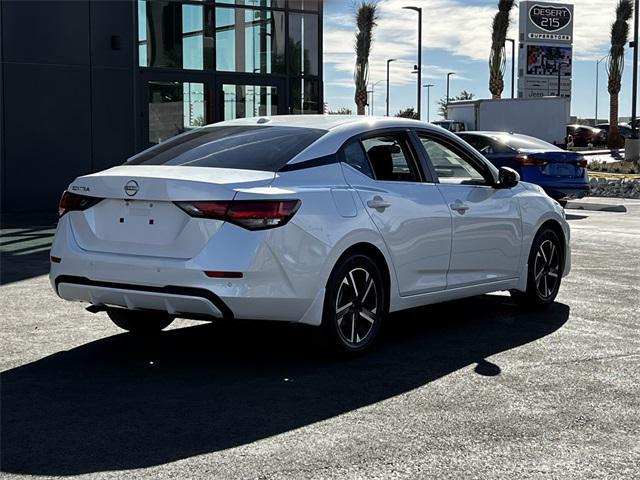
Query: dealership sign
[
  {"x": 546, "y": 50},
  {"x": 550, "y": 18}
]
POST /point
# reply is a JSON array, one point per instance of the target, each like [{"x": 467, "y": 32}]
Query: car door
[
  {"x": 487, "y": 228},
  {"x": 405, "y": 206}
]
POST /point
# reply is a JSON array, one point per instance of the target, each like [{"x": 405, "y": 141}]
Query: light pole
[
  {"x": 560, "y": 65},
  {"x": 513, "y": 65},
  {"x": 634, "y": 96},
  {"x": 428, "y": 87},
  {"x": 388, "y": 62},
  {"x": 448, "y": 77},
  {"x": 419, "y": 10},
  {"x": 373, "y": 86},
  {"x": 597, "y": 80}
]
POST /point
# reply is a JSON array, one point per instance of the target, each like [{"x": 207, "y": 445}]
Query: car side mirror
[{"x": 507, "y": 178}]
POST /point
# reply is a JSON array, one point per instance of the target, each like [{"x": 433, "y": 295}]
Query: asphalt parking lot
[{"x": 468, "y": 389}]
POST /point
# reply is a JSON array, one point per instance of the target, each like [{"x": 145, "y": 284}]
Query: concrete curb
[{"x": 596, "y": 207}]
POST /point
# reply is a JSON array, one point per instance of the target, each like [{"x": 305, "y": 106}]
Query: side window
[
  {"x": 481, "y": 144},
  {"x": 354, "y": 155},
  {"x": 391, "y": 158},
  {"x": 451, "y": 167}
]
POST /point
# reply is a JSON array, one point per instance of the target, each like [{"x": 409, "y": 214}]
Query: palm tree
[
  {"x": 497, "y": 57},
  {"x": 366, "y": 16},
  {"x": 615, "y": 65}
]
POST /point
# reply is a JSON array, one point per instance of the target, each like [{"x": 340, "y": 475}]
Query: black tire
[
  {"x": 352, "y": 317},
  {"x": 139, "y": 321},
  {"x": 546, "y": 261}
]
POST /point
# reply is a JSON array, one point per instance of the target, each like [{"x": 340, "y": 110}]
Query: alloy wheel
[
  {"x": 547, "y": 269},
  {"x": 357, "y": 309}
]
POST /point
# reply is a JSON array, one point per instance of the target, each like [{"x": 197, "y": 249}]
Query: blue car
[{"x": 562, "y": 174}]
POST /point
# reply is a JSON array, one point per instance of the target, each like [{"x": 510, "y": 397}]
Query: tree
[
  {"x": 366, "y": 16},
  {"x": 615, "y": 66},
  {"x": 341, "y": 111},
  {"x": 442, "y": 103},
  {"x": 497, "y": 57},
  {"x": 408, "y": 113}
]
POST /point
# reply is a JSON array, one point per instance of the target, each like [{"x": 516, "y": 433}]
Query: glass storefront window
[
  {"x": 309, "y": 5},
  {"x": 174, "y": 35},
  {"x": 255, "y": 3},
  {"x": 243, "y": 101},
  {"x": 249, "y": 40},
  {"x": 305, "y": 96},
  {"x": 175, "y": 107},
  {"x": 303, "y": 44}
]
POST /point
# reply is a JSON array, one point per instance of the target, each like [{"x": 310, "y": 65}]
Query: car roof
[{"x": 340, "y": 128}]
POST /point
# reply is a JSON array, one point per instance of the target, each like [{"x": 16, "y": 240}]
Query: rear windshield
[
  {"x": 523, "y": 142},
  {"x": 246, "y": 147}
]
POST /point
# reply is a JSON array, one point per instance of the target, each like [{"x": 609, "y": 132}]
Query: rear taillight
[
  {"x": 72, "y": 201},
  {"x": 249, "y": 214},
  {"x": 525, "y": 161},
  {"x": 582, "y": 163}
]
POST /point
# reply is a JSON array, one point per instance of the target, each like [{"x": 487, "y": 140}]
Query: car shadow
[
  {"x": 25, "y": 243},
  {"x": 122, "y": 403}
]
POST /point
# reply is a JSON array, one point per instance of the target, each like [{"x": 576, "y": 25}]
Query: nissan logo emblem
[{"x": 131, "y": 188}]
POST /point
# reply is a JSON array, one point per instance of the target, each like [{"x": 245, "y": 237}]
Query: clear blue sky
[{"x": 456, "y": 37}]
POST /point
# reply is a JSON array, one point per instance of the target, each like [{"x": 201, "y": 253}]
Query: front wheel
[
  {"x": 545, "y": 271},
  {"x": 139, "y": 321},
  {"x": 355, "y": 304}
]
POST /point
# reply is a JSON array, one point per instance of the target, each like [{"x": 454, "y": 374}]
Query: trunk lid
[
  {"x": 559, "y": 164},
  {"x": 137, "y": 215}
]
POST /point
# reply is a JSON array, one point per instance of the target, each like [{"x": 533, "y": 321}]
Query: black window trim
[
  {"x": 414, "y": 157},
  {"x": 460, "y": 150}
]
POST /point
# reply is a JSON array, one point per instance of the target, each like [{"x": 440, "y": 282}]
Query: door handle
[
  {"x": 378, "y": 203},
  {"x": 459, "y": 207}
]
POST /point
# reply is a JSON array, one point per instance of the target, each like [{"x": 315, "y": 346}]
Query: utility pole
[{"x": 597, "y": 87}]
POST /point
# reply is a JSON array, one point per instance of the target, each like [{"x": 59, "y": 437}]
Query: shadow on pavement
[
  {"x": 122, "y": 403},
  {"x": 25, "y": 242}
]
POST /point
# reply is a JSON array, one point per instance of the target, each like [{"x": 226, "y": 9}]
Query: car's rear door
[
  {"x": 405, "y": 206},
  {"x": 487, "y": 229}
]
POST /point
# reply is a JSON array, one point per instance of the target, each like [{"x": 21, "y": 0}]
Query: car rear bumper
[
  {"x": 181, "y": 287},
  {"x": 566, "y": 192}
]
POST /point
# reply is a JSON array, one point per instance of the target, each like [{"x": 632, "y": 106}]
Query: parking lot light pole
[
  {"x": 634, "y": 105},
  {"x": 373, "y": 86},
  {"x": 388, "y": 62},
  {"x": 419, "y": 70},
  {"x": 597, "y": 82},
  {"x": 428, "y": 87},
  {"x": 448, "y": 80},
  {"x": 513, "y": 65}
]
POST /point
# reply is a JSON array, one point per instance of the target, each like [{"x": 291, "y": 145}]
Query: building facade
[{"x": 87, "y": 84}]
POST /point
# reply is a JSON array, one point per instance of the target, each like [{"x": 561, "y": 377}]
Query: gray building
[{"x": 86, "y": 84}]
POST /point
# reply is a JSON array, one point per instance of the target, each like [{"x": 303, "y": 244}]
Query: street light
[
  {"x": 448, "y": 77},
  {"x": 597, "y": 78},
  {"x": 388, "y": 62},
  {"x": 634, "y": 96},
  {"x": 428, "y": 87},
  {"x": 419, "y": 70},
  {"x": 373, "y": 86},
  {"x": 560, "y": 65},
  {"x": 513, "y": 63}
]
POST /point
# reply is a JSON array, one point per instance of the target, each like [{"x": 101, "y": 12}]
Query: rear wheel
[
  {"x": 355, "y": 304},
  {"x": 545, "y": 271},
  {"x": 139, "y": 321}
]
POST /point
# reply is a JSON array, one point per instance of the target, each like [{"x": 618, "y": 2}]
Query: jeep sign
[{"x": 550, "y": 18}]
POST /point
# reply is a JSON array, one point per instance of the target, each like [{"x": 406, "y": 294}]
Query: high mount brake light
[
  {"x": 72, "y": 201},
  {"x": 249, "y": 214}
]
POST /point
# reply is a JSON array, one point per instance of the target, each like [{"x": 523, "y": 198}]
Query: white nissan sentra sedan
[{"x": 331, "y": 221}]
